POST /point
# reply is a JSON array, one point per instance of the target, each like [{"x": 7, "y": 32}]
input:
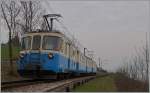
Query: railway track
[
  {"x": 12, "y": 84},
  {"x": 44, "y": 86}
]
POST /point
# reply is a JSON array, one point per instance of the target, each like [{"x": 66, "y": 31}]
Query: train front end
[{"x": 39, "y": 56}]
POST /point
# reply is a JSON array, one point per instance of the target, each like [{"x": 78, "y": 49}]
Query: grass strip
[
  {"x": 5, "y": 52},
  {"x": 99, "y": 84}
]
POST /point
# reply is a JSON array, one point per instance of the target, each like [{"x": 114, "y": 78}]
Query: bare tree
[
  {"x": 32, "y": 13},
  {"x": 147, "y": 58},
  {"x": 137, "y": 67},
  {"x": 10, "y": 12}
]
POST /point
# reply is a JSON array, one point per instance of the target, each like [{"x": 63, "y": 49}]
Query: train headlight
[
  {"x": 50, "y": 55},
  {"x": 21, "y": 55}
]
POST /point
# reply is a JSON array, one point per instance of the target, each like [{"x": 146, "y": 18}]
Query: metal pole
[
  {"x": 147, "y": 59},
  {"x": 9, "y": 42},
  {"x": 51, "y": 28},
  {"x": 99, "y": 62},
  {"x": 47, "y": 23},
  {"x": 85, "y": 60},
  {"x": 84, "y": 51}
]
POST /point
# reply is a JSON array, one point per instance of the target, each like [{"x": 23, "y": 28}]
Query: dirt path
[
  {"x": 124, "y": 84},
  {"x": 112, "y": 83}
]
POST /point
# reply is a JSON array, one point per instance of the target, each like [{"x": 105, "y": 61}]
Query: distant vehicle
[{"x": 51, "y": 54}]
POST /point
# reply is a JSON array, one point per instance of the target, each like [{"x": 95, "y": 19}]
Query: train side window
[
  {"x": 78, "y": 56},
  {"x": 81, "y": 59},
  {"x": 68, "y": 50},
  {"x": 71, "y": 51},
  {"x": 26, "y": 43},
  {"x": 62, "y": 47},
  {"x": 73, "y": 54},
  {"x": 52, "y": 43},
  {"x": 36, "y": 42},
  {"x": 65, "y": 49}
]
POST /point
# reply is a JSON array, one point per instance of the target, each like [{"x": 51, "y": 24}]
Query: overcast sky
[{"x": 112, "y": 29}]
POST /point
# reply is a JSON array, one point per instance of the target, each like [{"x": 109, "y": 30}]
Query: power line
[{"x": 66, "y": 30}]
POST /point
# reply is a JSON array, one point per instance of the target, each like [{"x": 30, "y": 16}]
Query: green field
[
  {"x": 5, "y": 52},
  {"x": 100, "y": 84}
]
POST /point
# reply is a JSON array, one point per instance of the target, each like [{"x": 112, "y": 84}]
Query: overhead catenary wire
[{"x": 65, "y": 30}]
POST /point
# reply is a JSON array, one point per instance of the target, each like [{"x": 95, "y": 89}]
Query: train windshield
[
  {"x": 51, "y": 43},
  {"x": 26, "y": 43},
  {"x": 36, "y": 42}
]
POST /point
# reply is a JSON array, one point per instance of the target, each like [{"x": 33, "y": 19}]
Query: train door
[
  {"x": 68, "y": 54},
  {"x": 86, "y": 64},
  {"x": 35, "y": 55},
  {"x": 78, "y": 59}
]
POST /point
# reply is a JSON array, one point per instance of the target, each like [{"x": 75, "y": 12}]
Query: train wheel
[
  {"x": 58, "y": 77},
  {"x": 66, "y": 76},
  {"x": 38, "y": 72}
]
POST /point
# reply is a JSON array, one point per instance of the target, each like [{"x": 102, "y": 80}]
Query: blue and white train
[{"x": 52, "y": 55}]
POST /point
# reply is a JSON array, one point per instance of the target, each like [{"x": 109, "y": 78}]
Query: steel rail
[
  {"x": 19, "y": 83},
  {"x": 44, "y": 85}
]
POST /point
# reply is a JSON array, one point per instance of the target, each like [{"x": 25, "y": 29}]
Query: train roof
[
  {"x": 44, "y": 31},
  {"x": 47, "y": 32},
  {"x": 54, "y": 33}
]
